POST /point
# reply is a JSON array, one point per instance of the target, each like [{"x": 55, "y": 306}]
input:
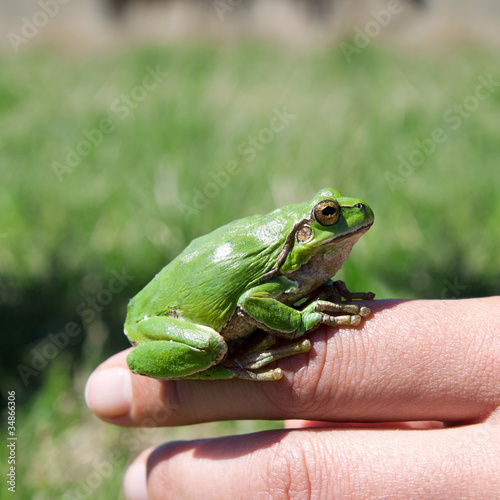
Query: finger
[
  {"x": 413, "y": 360},
  {"x": 135, "y": 480},
  {"x": 445, "y": 463},
  {"x": 418, "y": 424},
  {"x": 117, "y": 395}
]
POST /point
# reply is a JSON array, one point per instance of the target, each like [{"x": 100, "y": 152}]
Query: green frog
[{"x": 265, "y": 273}]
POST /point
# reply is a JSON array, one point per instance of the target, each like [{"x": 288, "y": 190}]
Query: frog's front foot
[
  {"x": 340, "y": 291},
  {"x": 334, "y": 297},
  {"x": 334, "y": 314}
]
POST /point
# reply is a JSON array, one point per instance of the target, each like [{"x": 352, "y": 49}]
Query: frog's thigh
[{"x": 175, "y": 348}]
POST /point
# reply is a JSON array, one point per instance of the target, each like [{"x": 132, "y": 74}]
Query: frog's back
[{"x": 204, "y": 282}]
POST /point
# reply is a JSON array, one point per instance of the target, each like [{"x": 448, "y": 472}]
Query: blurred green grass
[{"x": 129, "y": 204}]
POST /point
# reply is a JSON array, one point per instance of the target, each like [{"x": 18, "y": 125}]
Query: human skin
[{"x": 404, "y": 406}]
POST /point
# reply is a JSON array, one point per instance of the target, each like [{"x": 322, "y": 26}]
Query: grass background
[{"x": 120, "y": 209}]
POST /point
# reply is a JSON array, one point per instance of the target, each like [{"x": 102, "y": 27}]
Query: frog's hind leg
[
  {"x": 246, "y": 365},
  {"x": 254, "y": 360},
  {"x": 173, "y": 348}
]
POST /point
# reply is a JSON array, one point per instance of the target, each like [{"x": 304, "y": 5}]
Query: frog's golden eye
[
  {"x": 327, "y": 212},
  {"x": 304, "y": 234}
]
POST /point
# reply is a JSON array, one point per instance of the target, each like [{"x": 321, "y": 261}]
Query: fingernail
[
  {"x": 108, "y": 392},
  {"x": 134, "y": 482}
]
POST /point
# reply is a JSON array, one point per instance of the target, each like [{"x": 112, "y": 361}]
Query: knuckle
[{"x": 289, "y": 470}]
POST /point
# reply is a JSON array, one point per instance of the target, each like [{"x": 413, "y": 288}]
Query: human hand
[{"x": 435, "y": 362}]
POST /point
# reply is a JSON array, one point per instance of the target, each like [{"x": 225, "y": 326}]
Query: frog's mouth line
[
  {"x": 362, "y": 230},
  {"x": 288, "y": 246}
]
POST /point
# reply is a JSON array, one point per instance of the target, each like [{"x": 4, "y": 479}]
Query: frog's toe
[
  {"x": 347, "y": 320},
  {"x": 364, "y": 311},
  {"x": 355, "y": 320},
  {"x": 264, "y": 376},
  {"x": 332, "y": 307}
]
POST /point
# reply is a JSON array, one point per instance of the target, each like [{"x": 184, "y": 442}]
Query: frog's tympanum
[{"x": 217, "y": 309}]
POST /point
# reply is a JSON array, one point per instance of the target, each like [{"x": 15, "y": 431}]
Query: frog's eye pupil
[{"x": 329, "y": 211}]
